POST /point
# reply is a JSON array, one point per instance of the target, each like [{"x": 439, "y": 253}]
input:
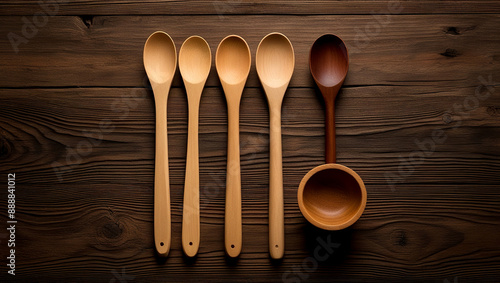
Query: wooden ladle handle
[{"x": 330, "y": 156}]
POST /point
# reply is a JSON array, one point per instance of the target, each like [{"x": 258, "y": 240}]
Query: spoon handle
[
  {"x": 330, "y": 131},
  {"x": 233, "y": 186},
  {"x": 162, "y": 189},
  {"x": 276, "y": 213},
  {"x": 191, "y": 206}
]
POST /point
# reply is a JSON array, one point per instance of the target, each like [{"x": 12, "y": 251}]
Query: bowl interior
[{"x": 332, "y": 197}]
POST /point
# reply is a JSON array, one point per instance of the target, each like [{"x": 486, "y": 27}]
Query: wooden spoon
[
  {"x": 232, "y": 61},
  {"x": 195, "y": 60},
  {"x": 160, "y": 62},
  {"x": 329, "y": 62},
  {"x": 275, "y": 61}
]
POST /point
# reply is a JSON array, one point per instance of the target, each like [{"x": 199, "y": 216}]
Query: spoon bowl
[
  {"x": 160, "y": 62},
  {"x": 275, "y": 61},
  {"x": 233, "y": 60},
  {"x": 160, "y": 57},
  {"x": 329, "y": 61},
  {"x": 195, "y": 60},
  {"x": 331, "y": 196}
]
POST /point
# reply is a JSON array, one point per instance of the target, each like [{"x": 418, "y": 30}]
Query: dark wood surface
[{"x": 77, "y": 129}]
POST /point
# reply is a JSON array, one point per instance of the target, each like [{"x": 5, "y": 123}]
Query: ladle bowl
[{"x": 332, "y": 196}]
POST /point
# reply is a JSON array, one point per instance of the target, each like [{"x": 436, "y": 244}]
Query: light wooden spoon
[
  {"x": 195, "y": 60},
  {"x": 275, "y": 61},
  {"x": 160, "y": 62},
  {"x": 232, "y": 61}
]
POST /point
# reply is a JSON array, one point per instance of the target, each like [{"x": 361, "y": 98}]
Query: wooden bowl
[{"x": 332, "y": 196}]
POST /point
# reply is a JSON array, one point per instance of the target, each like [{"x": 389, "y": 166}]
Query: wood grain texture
[
  {"x": 430, "y": 221},
  {"x": 221, "y": 8},
  {"x": 408, "y": 50},
  {"x": 58, "y": 120},
  {"x": 77, "y": 126}
]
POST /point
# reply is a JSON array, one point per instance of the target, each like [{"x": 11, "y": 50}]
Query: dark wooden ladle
[{"x": 331, "y": 196}]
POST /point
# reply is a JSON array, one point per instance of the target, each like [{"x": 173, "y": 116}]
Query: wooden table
[{"x": 418, "y": 118}]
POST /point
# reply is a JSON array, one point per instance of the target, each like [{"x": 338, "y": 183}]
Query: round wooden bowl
[{"x": 332, "y": 196}]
